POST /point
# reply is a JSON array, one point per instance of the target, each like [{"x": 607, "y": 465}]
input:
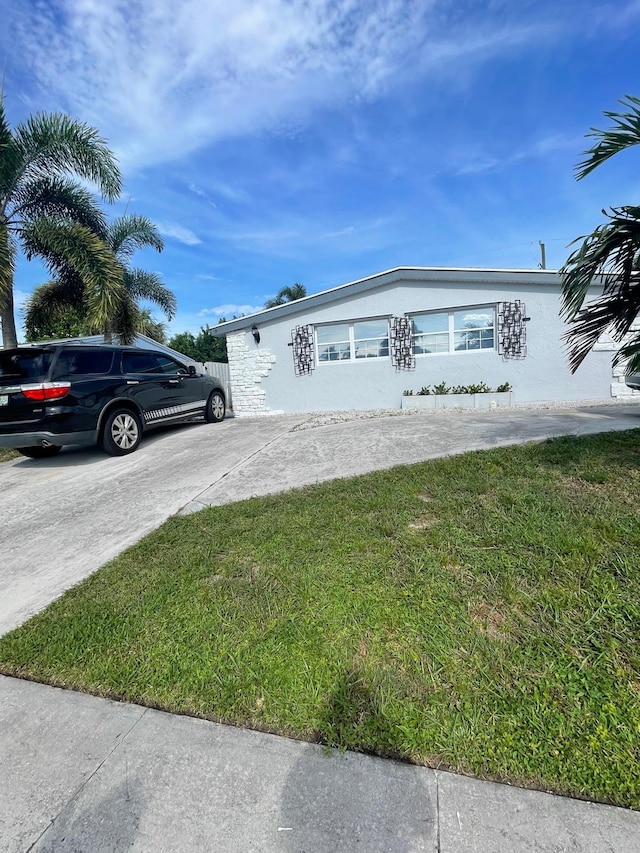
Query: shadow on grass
[{"x": 353, "y": 716}]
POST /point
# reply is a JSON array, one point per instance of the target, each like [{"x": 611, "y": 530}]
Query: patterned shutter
[
  {"x": 303, "y": 350},
  {"x": 401, "y": 343},
  {"x": 512, "y": 332}
]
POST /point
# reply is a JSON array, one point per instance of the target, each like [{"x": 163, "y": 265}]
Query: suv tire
[
  {"x": 215, "y": 409},
  {"x": 121, "y": 432}
]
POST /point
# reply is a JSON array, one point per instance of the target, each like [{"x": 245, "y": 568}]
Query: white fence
[{"x": 220, "y": 369}]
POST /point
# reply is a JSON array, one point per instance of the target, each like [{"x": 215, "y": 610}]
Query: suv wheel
[
  {"x": 39, "y": 452},
  {"x": 215, "y": 407},
  {"x": 121, "y": 433}
]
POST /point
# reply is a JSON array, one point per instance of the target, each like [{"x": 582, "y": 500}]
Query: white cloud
[
  {"x": 229, "y": 310},
  {"x": 178, "y": 232},
  {"x": 163, "y": 79},
  {"x": 475, "y": 164}
]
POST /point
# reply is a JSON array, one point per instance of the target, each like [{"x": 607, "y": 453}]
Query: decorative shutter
[
  {"x": 512, "y": 332},
  {"x": 303, "y": 350},
  {"x": 401, "y": 343}
]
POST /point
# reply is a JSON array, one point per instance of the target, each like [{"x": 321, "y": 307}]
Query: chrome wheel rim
[
  {"x": 124, "y": 431},
  {"x": 217, "y": 406}
]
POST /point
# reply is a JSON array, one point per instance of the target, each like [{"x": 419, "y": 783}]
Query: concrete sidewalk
[
  {"x": 86, "y": 774},
  {"x": 78, "y": 773}
]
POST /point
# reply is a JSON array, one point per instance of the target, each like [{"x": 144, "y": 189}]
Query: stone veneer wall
[{"x": 248, "y": 365}]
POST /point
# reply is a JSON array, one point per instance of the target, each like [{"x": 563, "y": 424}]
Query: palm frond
[
  {"x": 56, "y": 309},
  {"x": 55, "y": 294},
  {"x": 54, "y": 144},
  {"x": 148, "y": 285},
  {"x": 624, "y": 133},
  {"x": 128, "y": 233},
  {"x": 59, "y": 198},
  {"x": 71, "y": 246},
  {"x": 608, "y": 257},
  {"x": 287, "y": 294},
  {"x": 151, "y": 327},
  {"x": 124, "y": 321}
]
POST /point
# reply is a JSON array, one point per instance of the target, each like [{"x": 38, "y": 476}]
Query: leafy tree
[
  {"x": 47, "y": 213},
  {"x": 610, "y": 256},
  {"x": 67, "y": 296},
  {"x": 287, "y": 294},
  {"x": 202, "y": 348},
  {"x": 67, "y": 323}
]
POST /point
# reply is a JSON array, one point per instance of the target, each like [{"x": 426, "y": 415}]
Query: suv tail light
[{"x": 46, "y": 390}]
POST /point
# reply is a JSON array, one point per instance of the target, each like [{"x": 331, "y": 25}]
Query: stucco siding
[{"x": 374, "y": 383}]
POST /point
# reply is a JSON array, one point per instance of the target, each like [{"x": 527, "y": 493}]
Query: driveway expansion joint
[{"x": 188, "y": 508}]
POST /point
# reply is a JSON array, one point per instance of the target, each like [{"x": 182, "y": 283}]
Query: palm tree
[
  {"x": 63, "y": 297},
  {"x": 610, "y": 256},
  {"x": 287, "y": 294},
  {"x": 47, "y": 213}
]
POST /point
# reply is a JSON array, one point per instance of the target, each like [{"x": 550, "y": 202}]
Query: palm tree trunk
[{"x": 9, "y": 335}]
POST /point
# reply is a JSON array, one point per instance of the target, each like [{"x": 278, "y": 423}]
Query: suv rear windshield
[{"x": 27, "y": 365}]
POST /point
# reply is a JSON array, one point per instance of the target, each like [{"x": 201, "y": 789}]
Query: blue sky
[{"x": 320, "y": 141}]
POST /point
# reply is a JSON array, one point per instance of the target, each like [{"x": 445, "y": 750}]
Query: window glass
[
  {"x": 168, "y": 365},
  {"x": 331, "y": 334},
  {"x": 431, "y": 333},
  {"x": 427, "y": 323},
  {"x": 454, "y": 331},
  {"x": 31, "y": 365},
  {"x": 143, "y": 362},
  {"x": 80, "y": 362},
  {"x": 350, "y": 341},
  {"x": 473, "y": 329},
  {"x": 333, "y": 342},
  {"x": 371, "y": 339},
  {"x": 334, "y": 352}
]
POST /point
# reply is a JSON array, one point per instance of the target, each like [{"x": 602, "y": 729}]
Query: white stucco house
[{"x": 362, "y": 345}]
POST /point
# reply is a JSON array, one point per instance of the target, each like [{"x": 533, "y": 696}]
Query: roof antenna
[{"x": 543, "y": 262}]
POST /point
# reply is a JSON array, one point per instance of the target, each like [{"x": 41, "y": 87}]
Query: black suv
[{"x": 70, "y": 393}]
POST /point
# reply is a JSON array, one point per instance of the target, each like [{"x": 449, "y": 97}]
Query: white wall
[{"x": 263, "y": 374}]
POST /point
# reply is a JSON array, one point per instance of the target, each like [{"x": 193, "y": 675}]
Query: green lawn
[
  {"x": 480, "y": 613},
  {"x": 6, "y": 454}
]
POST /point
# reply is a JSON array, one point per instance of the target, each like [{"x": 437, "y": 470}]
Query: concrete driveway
[{"x": 63, "y": 518}]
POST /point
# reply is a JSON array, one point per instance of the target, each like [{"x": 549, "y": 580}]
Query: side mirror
[{"x": 192, "y": 370}]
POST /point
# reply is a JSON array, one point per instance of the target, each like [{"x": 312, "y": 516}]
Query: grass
[
  {"x": 6, "y": 454},
  {"x": 480, "y": 613}
]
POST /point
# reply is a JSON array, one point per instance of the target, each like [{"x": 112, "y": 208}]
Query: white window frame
[
  {"x": 352, "y": 342},
  {"x": 451, "y": 331}
]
